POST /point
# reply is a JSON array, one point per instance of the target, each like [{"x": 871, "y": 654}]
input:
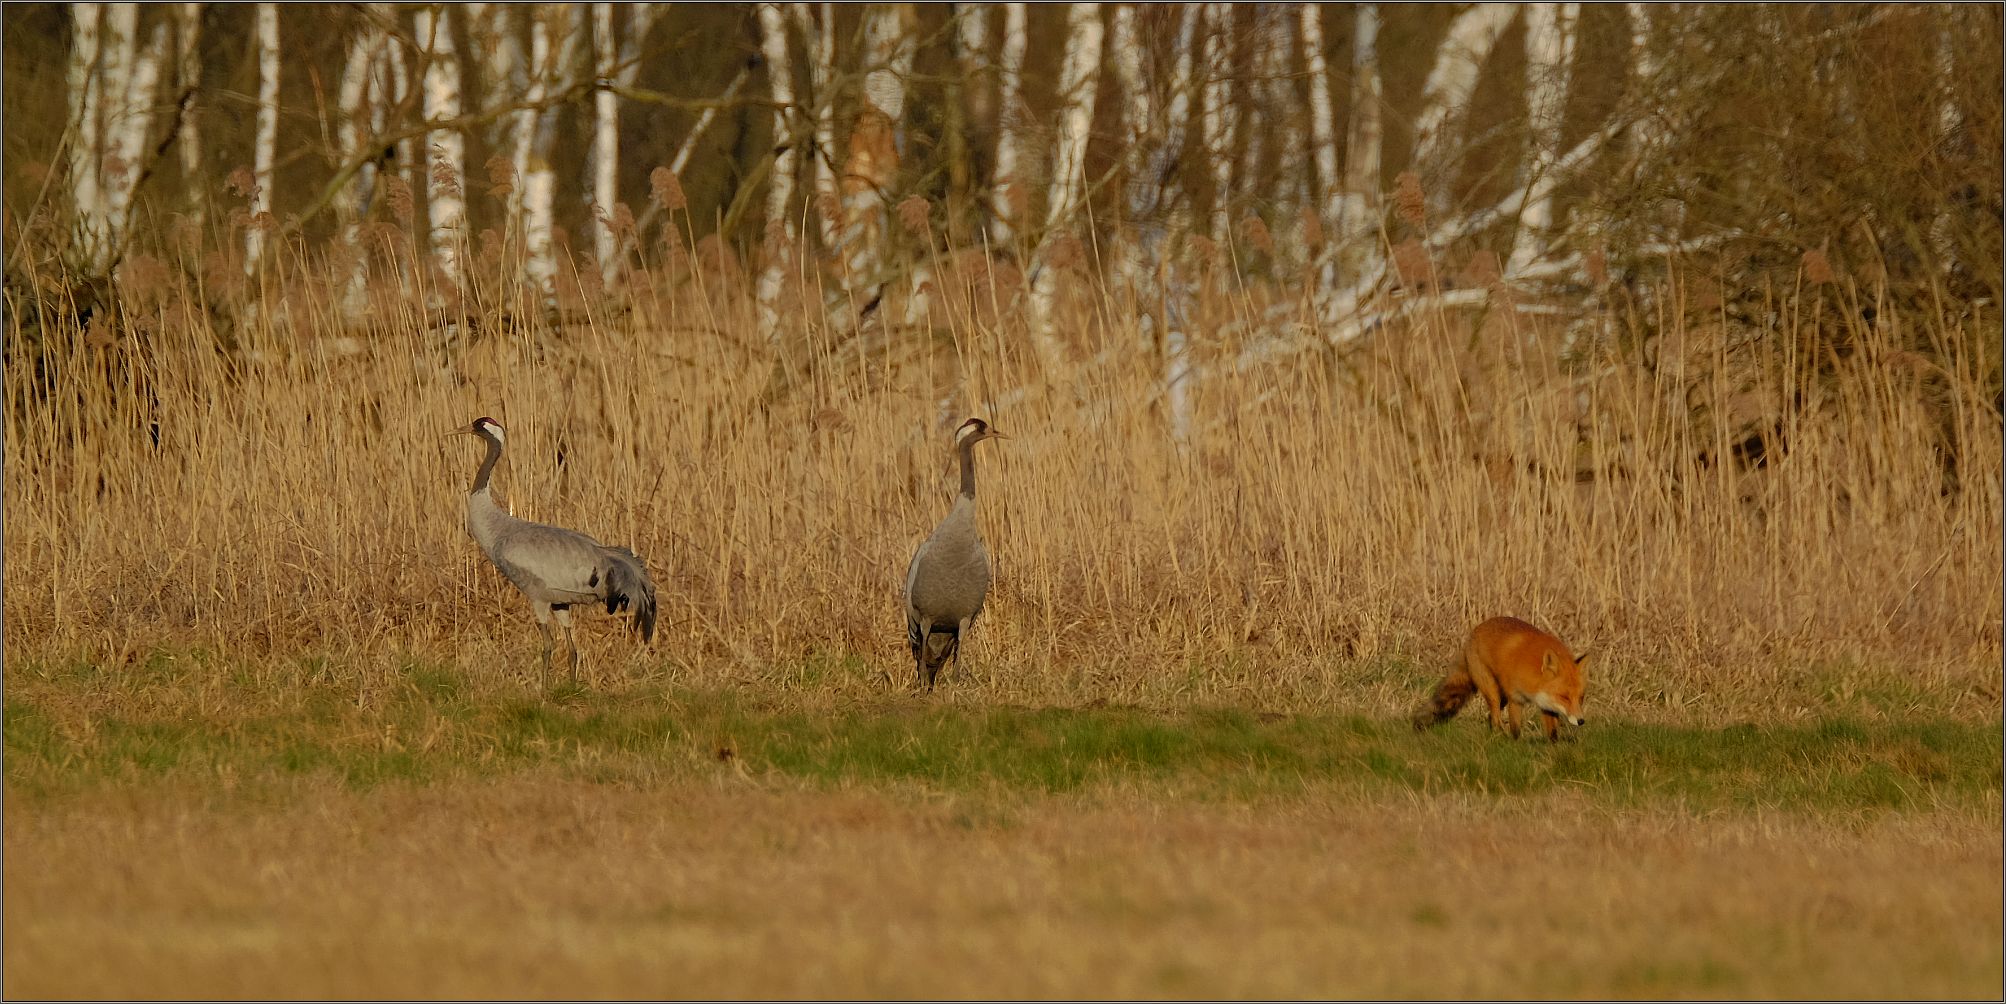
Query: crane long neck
[
  {"x": 968, "y": 468},
  {"x": 488, "y": 464}
]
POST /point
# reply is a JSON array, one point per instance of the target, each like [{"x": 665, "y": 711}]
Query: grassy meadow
[{"x": 274, "y": 727}]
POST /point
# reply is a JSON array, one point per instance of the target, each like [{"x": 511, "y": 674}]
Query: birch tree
[
  {"x": 1549, "y": 56},
  {"x": 359, "y": 103},
  {"x": 619, "y": 66},
  {"x": 1356, "y": 223},
  {"x": 1323, "y": 136},
  {"x": 1472, "y": 36},
  {"x": 113, "y": 84},
  {"x": 445, "y": 180},
  {"x": 505, "y": 76},
  {"x": 1079, "y": 83},
  {"x": 86, "y": 93},
  {"x": 188, "y": 76},
  {"x": 265, "y": 147},
  {"x": 780, "y": 186},
  {"x": 871, "y": 167},
  {"x": 556, "y": 39},
  {"x": 1221, "y": 125},
  {"x": 820, "y": 39},
  {"x": 131, "y": 125},
  {"x": 1281, "y": 112},
  {"x": 1007, "y": 193}
]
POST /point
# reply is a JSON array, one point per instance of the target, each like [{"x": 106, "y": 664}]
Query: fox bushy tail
[{"x": 1450, "y": 696}]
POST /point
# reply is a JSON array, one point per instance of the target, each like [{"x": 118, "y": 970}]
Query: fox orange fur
[{"x": 1514, "y": 666}]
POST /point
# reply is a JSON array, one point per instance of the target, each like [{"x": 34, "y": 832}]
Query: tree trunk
[
  {"x": 1008, "y": 196},
  {"x": 871, "y": 167},
  {"x": 499, "y": 57},
  {"x": 1282, "y": 115},
  {"x": 357, "y": 119},
  {"x": 1549, "y": 54},
  {"x": 1357, "y": 221},
  {"x": 188, "y": 76},
  {"x": 780, "y": 231},
  {"x": 1471, "y": 37},
  {"x": 966, "y": 104},
  {"x": 1323, "y": 140},
  {"x": 606, "y": 144},
  {"x": 266, "y": 145},
  {"x": 86, "y": 45},
  {"x": 554, "y": 51},
  {"x": 130, "y": 146},
  {"x": 1221, "y": 123},
  {"x": 445, "y": 178},
  {"x": 1079, "y": 83},
  {"x": 820, "y": 40}
]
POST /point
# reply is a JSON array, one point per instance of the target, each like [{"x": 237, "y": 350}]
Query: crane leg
[
  {"x": 570, "y": 639},
  {"x": 542, "y": 612}
]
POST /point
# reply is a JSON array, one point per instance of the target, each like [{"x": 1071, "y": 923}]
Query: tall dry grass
[{"x": 241, "y": 465}]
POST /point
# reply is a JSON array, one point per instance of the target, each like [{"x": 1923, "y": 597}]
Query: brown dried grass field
[
  {"x": 543, "y": 887},
  {"x": 234, "y": 550}
]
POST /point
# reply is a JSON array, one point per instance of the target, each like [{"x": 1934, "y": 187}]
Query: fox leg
[
  {"x": 1487, "y": 685},
  {"x": 1552, "y": 723},
  {"x": 1513, "y": 708}
]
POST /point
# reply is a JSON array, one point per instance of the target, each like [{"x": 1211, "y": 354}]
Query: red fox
[{"x": 1512, "y": 664}]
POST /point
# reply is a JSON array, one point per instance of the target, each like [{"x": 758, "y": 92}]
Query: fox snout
[{"x": 1577, "y": 721}]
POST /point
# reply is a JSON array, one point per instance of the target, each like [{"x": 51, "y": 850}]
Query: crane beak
[
  {"x": 993, "y": 434},
  {"x": 464, "y": 430}
]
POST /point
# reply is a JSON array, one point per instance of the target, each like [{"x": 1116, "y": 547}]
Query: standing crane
[
  {"x": 554, "y": 567},
  {"x": 949, "y": 574}
]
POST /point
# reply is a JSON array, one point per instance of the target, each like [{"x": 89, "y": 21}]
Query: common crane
[
  {"x": 554, "y": 567},
  {"x": 949, "y": 574}
]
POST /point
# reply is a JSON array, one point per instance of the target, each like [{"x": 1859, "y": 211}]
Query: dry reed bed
[{"x": 1327, "y": 513}]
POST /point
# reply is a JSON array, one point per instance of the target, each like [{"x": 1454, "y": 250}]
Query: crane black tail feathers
[{"x": 627, "y": 584}]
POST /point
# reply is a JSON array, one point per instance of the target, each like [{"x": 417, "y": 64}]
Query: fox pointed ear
[
  {"x": 1581, "y": 659},
  {"x": 1546, "y": 664}
]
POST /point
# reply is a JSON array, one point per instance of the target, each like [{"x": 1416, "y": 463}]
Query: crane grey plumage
[
  {"x": 552, "y": 566},
  {"x": 949, "y": 575}
]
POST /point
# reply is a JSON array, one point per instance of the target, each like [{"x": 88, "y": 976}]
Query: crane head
[
  {"x": 975, "y": 430},
  {"x": 483, "y": 426}
]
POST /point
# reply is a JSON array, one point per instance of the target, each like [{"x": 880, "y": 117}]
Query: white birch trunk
[
  {"x": 554, "y": 51},
  {"x": 872, "y": 163},
  {"x": 86, "y": 47},
  {"x": 499, "y": 52},
  {"x": 605, "y": 144},
  {"x": 1949, "y": 119},
  {"x": 971, "y": 23},
  {"x": 445, "y": 178},
  {"x": 1356, "y": 220},
  {"x": 1006, "y": 183},
  {"x": 780, "y": 186},
  {"x": 1169, "y": 307},
  {"x": 1472, "y": 36},
  {"x": 266, "y": 145},
  {"x": 128, "y": 141},
  {"x": 356, "y": 124},
  {"x": 1282, "y": 116},
  {"x": 188, "y": 76},
  {"x": 820, "y": 39},
  {"x": 400, "y": 94},
  {"x": 1220, "y": 122},
  {"x": 86, "y": 44},
  {"x": 1079, "y": 84},
  {"x": 1549, "y": 53},
  {"x": 1323, "y": 139},
  {"x": 1139, "y": 120},
  {"x": 1643, "y": 77}
]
